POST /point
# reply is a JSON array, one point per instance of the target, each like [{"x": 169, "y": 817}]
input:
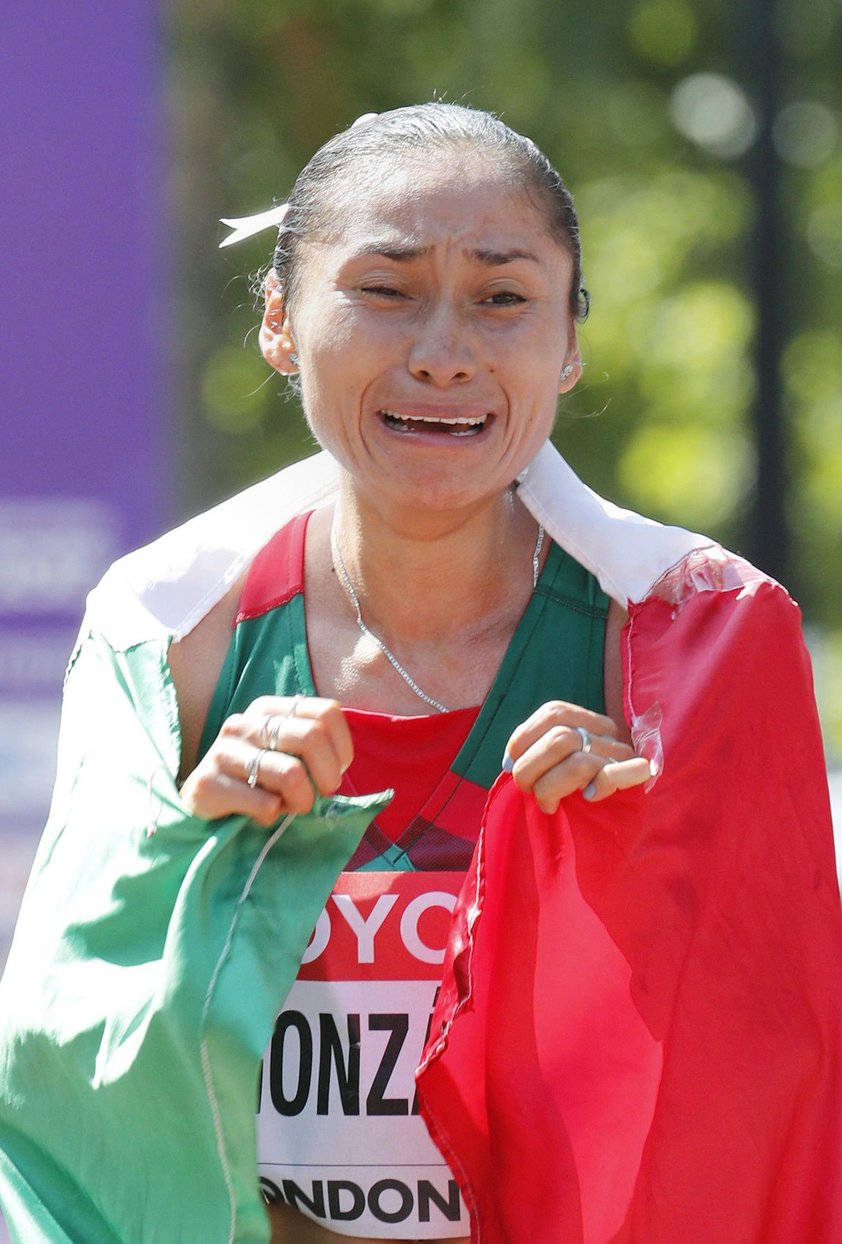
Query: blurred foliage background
[{"x": 650, "y": 110}]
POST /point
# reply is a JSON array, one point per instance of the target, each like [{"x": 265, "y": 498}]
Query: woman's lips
[{"x": 441, "y": 424}]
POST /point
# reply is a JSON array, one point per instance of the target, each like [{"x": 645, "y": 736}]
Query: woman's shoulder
[
  {"x": 167, "y": 588},
  {"x": 626, "y": 552},
  {"x": 714, "y": 569},
  {"x": 195, "y": 662}
]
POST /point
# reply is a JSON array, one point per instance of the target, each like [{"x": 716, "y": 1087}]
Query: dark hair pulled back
[{"x": 359, "y": 154}]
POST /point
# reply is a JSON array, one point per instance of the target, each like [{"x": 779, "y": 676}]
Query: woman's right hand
[{"x": 272, "y": 759}]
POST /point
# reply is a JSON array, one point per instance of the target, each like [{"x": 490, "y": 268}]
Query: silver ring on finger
[
  {"x": 587, "y": 741},
  {"x": 253, "y": 767},
  {"x": 270, "y": 730}
]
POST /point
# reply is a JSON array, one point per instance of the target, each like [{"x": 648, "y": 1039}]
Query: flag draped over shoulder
[
  {"x": 637, "y": 1038},
  {"x": 151, "y": 957},
  {"x": 639, "y": 1033}
]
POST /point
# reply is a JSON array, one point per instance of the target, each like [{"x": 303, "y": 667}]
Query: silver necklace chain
[{"x": 345, "y": 579}]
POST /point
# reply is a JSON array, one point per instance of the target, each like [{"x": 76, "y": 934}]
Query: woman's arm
[
  {"x": 291, "y": 748},
  {"x": 195, "y": 664},
  {"x": 613, "y": 669}
]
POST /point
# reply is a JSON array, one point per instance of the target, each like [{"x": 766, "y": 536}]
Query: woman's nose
[{"x": 442, "y": 352}]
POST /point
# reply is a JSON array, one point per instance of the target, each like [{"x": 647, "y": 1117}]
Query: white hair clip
[{"x": 247, "y": 226}]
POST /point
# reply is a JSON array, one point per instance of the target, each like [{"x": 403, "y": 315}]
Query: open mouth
[{"x": 454, "y": 426}]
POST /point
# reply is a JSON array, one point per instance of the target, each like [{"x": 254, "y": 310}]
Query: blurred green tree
[{"x": 646, "y": 110}]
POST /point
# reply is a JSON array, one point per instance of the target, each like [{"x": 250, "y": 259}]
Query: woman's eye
[
  {"x": 505, "y": 298},
  {"x": 381, "y": 291}
]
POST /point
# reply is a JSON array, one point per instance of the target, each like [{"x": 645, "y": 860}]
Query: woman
[
  {"x": 391, "y": 616},
  {"x": 432, "y": 339}
]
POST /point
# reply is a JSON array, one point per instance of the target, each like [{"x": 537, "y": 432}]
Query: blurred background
[{"x": 701, "y": 139}]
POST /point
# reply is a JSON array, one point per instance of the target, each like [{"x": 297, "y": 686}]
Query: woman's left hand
[{"x": 562, "y": 748}]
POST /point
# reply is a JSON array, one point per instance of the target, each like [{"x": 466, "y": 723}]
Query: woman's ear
[
  {"x": 571, "y": 372},
  {"x": 276, "y": 342}
]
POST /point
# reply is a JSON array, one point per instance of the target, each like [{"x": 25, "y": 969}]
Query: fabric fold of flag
[{"x": 638, "y": 1036}]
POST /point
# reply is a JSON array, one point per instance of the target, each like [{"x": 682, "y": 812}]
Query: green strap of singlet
[{"x": 556, "y": 653}]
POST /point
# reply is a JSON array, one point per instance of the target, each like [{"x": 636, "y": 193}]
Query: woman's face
[{"x": 432, "y": 334}]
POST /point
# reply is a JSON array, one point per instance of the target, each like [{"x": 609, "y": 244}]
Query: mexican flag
[
  {"x": 637, "y": 1038},
  {"x": 639, "y": 1035}
]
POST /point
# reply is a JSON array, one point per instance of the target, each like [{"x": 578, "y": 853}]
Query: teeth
[
  {"x": 432, "y": 418},
  {"x": 459, "y": 420}
]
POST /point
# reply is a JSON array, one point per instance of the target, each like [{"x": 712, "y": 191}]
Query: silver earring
[
  {"x": 567, "y": 371},
  {"x": 293, "y": 358}
]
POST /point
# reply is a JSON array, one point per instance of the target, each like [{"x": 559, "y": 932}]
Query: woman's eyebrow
[
  {"x": 493, "y": 259},
  {"x": 407, "y": 253},
  {"x": 393, "y": 250}
]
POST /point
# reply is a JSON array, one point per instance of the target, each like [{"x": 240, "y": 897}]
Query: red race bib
[{"x": 339, "y": 1134}]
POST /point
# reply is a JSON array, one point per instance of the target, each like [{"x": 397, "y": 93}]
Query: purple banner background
[{"x": 84, "y": 426}]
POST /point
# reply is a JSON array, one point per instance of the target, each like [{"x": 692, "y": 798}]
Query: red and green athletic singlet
[{"x": 339, "y": 1134}]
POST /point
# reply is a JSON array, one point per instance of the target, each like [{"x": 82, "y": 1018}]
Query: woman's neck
[
  {"x": 425, "y": 578},
  {"x": 444, "y": 594}
]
